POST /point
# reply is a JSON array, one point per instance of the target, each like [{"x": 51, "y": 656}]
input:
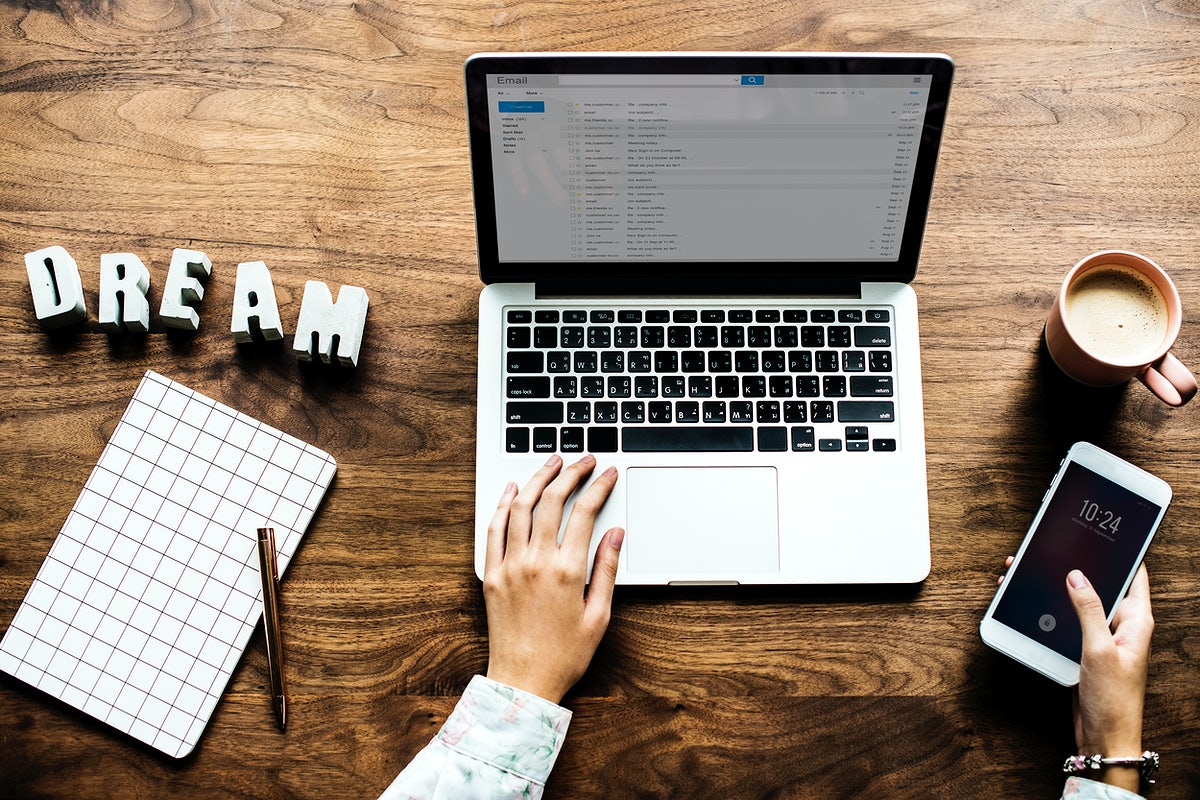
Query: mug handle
[{"x": 1170, "y": 380}]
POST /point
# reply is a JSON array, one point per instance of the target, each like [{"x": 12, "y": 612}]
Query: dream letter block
[
  {"x": 328, "y": 330},
  {"x": 254, "y": 306},
  {"x": 125, "y": 275},
  {"x": 183, "y": 288},
  {"x": 56, "y": 287}
]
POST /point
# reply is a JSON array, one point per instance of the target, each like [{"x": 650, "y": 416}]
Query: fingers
[
  {"x": 520, "y": 522},
  {"x": 1133, "y": 621},
  {"x": 548, "y": 520},
  {"x": 498, "y": 529},
  {"x": 1008, "y": 562},
  {"x": 1089, "y": 609},
  {"x": 604, "y": 577},
  {"x": 578, "y": 535}
]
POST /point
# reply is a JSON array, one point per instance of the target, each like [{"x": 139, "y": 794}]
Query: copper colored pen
[{"x": 270, "y": 581}]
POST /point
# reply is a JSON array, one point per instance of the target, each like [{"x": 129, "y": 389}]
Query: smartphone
[{"x": 1098, "y": 516}]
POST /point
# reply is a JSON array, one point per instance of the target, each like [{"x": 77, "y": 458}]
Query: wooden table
[{"x": 328, "y": 139}]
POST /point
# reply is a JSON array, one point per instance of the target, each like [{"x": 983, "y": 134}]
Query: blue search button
[
  {"x": 522, "y": 107},
  {"x": 753, "y": 80}
]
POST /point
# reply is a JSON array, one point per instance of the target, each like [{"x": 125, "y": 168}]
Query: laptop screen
[{"x": 783, "y": 165}]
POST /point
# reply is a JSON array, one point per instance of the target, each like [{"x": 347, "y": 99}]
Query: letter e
[{"x": 183, "y": 288}]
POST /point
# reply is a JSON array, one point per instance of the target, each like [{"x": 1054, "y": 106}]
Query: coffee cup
[{"x": 1115, "y": 318}]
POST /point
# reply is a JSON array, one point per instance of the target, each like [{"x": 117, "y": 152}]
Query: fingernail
[
  {"x": 588, "y": 459},
  {"x": 554, "y": 461},
  {"x": 617, "y": 538},
  {"x": 1076, "y": 579},
  {"x": 510, "y": 490}
]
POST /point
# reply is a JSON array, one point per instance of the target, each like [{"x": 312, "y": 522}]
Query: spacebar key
[{"x": 660, "y": 440}]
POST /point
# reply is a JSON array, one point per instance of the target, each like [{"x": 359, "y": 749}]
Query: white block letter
[
  {"x": 124, "y": 274},
  {"x": 254, "y": 306},
  {"x": 183, "y": 288},
  {"x": 327, "y": 330},
  {"x": 56, "y": 287}
]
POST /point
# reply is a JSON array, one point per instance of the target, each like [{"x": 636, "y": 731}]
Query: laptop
[{"x": 697, "y": 268}]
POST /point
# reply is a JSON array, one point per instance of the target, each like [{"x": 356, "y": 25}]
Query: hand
[
  {"x": 543, "y": 628},
  {"x": 1112, "y": 675}
]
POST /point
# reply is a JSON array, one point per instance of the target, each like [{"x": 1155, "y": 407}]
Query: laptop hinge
[{"x": 696, "y": 287}]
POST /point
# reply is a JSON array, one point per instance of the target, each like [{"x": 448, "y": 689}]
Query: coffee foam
[{"x": 1117, "y": 314}]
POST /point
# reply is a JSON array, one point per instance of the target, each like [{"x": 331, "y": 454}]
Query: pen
[{"x": 270, "y": 582}]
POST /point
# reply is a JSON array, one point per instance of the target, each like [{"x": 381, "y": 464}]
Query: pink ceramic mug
[{"x": 1115, "y": 318}]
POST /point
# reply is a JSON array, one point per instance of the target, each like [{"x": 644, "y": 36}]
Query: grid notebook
[{"x": 151, "y": 590}]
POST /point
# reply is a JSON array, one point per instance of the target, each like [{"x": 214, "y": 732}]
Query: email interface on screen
[{"x": 741, "y": 167}]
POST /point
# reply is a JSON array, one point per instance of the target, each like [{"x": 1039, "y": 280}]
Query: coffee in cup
[{"x": 1115, "y": 318}]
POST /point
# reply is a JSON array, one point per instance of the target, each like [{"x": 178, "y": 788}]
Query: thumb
[
  {"x": 604, "y": 573},
  {"x": 1088, "y": 608}
]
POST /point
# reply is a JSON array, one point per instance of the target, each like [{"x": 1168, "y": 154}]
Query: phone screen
[{"x": 1091, "y": 524}]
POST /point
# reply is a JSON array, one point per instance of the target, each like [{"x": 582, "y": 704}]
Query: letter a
[
  {"x": 330, "y": 331},
  {"x": 124, "y": 274},
  {"x": 56, "y": 287},
  {"x": 183, "y": 288},
  {"x": 254, "y": 305}
]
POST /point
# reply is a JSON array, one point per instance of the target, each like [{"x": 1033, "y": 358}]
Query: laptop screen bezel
[{"x": 749, "y": 276}]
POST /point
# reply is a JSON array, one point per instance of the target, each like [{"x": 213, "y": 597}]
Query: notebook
[
  {"x": 697, "y": 268},
  {"x": 151, "y": 590}
]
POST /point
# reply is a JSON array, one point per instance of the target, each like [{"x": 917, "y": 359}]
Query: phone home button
[{"x": 1047, "y": 622}]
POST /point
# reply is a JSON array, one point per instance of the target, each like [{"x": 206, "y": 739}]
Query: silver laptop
[{"x": 697, "y": 268}]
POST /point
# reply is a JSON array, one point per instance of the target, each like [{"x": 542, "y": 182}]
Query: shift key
[
  {"x": 533, "y": 413},
  {"x": 864, "y": 411}
]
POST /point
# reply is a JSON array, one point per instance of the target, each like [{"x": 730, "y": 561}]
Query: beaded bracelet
[{"x": 1147, "y": 763}]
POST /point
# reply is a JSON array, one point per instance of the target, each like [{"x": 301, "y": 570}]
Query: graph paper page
[{"x": 151, "y": 590}]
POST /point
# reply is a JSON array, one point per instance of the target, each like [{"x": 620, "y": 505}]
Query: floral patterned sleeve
[
  {"x": 499, "y": 742},
  {"x": 1084, "y": 789}
]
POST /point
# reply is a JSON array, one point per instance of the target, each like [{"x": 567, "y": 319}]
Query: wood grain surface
[{"x": 328, "y": 139}]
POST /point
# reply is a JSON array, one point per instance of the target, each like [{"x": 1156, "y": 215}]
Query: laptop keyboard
[{"x": 606, "y": 380}]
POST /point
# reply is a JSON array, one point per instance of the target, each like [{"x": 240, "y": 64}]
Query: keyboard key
[
  {"x": 871, "y": 386},
  {"x": 795, "y": 411},
  {"x": 872, "y": 336},
  {"x": 518, "y": 337},
  {"x": 850, "y": 315},
  {"x": 645, "y": 386},
  {"x": 516, "y": 317},
  {"x": 728, "y": 386},
  {"x": 812, "y": 336},
  {"x": 612, "y": 361},
  {"x": 754, "y": 386},
  {"x": 660, "y": 412},
  {"x": 666, "y": 361},
  {"x": 534, "y": 386},
  {"x": 545, "y": 316},
  {"x": 707, "y": 336},
  {"x": 658, "y": 316},
  {"x": 619, "y": 386},
  {"x": 741, "y": 411},
  {"x": 833, "y": 386},
  {"x": 773, "y": 361},
  {"x": 527, "y": 361},
  {"x": 633, "y": 412},
  {"x": 767, "y": 411},
  {"x": 759, "y": 336},
  {"x": 602, "y": 440},
  {"x": 625, "y": 336},
  {"x": 601, "y": 317},
  {"x": 878, "y": 315},
  {"x": 854, "y": 361},
  {"x": 858, "y": 432},
  {"x": 866, "y": 411},
  {"x": 745, "y": 361},
  {"x": 733, "y": 336},
  {"x": 579, "y": 413},
  {"x": 516, "y": 440},
  {"x": 585, "y": 361},
  {"x": 828, "y": 361},
  {"x": 879, "y": 361},
  {"x": 772, "y": 440},
  {"x": 653, "y": 337},
  {"x": 598, "y": 337},
  {"x": 823, "y": 315},
  {"x": 720, "y": 361},
  {"x": 821, "y": 411},
  {"x": 606, "y": 414},
  {"x": 532, "y": 413},
  {"x": 787, "y": 336},
  {"x": 679, "y": 336},
  {"x": 857, "y": 447},
  {"x": 544, "y": 336},
  {"x": 687, "y": 411},
  {"x": 629, "y": 315},
  {"x": 574, "y": 315},
  {"x": 884, "y": 445},
  {"x": 571, "y": 440},
  {"x": 673, "y": 386},
  {"x": 545, "y": 440},
  {"x": 566, "y": 386},
  {"x": 572, "y": 336},
  {"x": 713, "y": 411},
  {"x": 639, "y": 361},
  {"x": 795, "y": 315},
  {"x": 766, "y": 315},
  {"x": 780, "y": 385},
  {"x": 741, "y": 315},
  {"x": 830, "y": 445},
  {"x": 800, "y": 361},
  {"x": 591, "y": 386},
  {"x": 696, "y": 439},
  {"x": 808, "y": 386},
  {"x": 838, "y": 335},
  {"x": 712, "y": 315},
  {"x": 803, "y": 439},
  {"x": 692, "y": 361},
  {"x": 686, "y": 316}
]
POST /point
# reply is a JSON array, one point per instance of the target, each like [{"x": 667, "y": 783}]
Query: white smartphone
[{"x": 1098, "y": 516}]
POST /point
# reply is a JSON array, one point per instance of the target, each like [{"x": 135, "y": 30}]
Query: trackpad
[{"x": 714, "y": 522}]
